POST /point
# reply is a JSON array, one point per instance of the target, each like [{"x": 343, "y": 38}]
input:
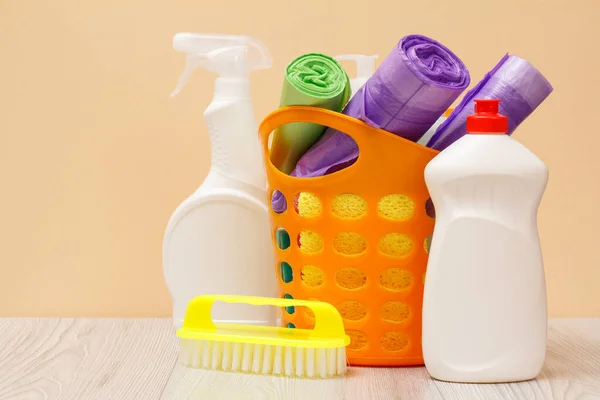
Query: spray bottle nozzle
[{"x": 226, "y": 55}]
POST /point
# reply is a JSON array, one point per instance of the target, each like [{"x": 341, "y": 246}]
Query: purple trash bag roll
[
  {"x": 520, "y": 86},
  {"x": 410, "y": 90}
]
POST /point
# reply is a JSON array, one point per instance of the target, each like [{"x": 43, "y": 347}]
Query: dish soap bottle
[
  {"x": 218, "y": 240},
  {"x": 484, "y": 306},
  {"x": 365, "y": 68}
]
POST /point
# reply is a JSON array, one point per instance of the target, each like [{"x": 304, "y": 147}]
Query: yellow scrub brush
[{"x": 267, "y": 350}]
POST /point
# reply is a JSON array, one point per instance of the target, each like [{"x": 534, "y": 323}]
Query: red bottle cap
[{"x": 486, "y": 118}]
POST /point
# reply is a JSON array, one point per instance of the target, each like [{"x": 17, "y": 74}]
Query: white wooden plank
[
  {"x": 571, "y": 371},
  {"x": 85, "y": 358},
  {"x": 133, "y": 358}
]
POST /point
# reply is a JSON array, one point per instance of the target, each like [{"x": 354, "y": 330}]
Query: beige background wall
[{"x": 95, "y": 155}]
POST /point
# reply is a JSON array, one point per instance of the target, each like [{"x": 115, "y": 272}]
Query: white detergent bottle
[
  {"x": 218, "y": 240},
  {"x": 484, "y": 307},
  {"x": 365, "y": 68}
]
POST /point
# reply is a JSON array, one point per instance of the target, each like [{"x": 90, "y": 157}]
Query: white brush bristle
[{"x": 263, "y": 359}]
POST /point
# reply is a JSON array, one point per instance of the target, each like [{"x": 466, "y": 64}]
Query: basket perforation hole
[
  {"x": 312, "y": 276},
  {"x": 427, "y": 243},
  {"x": 282, "y": 238},
  {"x": 395, "y": 244},
  {"x": 307, "y": 205},
  {"x": 396, "y": 279},
  {"x": 358, "y": 339},
  {"x": 394, "y": 341},
  {"x": 310, "y": 242},
  {"x": 352, "y": 310},
  {"x": 289, "y": 309},
  {"x": 348, "y": 206},
  {"x": 349, "y": 243},
  {"x": 395, "y": 311},
  {"x": 350, "y": 278},
  {"x": 396, "y": 207},
  {"x": 285, "y": 271},
  {"x": 278, "y": 202},
  {"x": 429, "y": 208}
]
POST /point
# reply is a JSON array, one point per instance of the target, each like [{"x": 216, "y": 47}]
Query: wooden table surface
[{"x": 137, "y": 359}]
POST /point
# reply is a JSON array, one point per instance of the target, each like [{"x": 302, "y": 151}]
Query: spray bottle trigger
[
  {"x": 192, "y": 62},
  {"x": 215, "y": 62}
]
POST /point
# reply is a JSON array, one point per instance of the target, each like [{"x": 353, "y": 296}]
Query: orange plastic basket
[{"x": 379, "y": 291}]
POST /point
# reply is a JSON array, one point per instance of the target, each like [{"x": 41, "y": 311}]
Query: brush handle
[{"x": 328, "y": 321}]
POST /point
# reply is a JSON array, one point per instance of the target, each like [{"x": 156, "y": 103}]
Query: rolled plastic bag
[
  {"x": 310, "y": 80},
  {"x": 520, "y": 86},
  {"x": 410, "y": 90}
]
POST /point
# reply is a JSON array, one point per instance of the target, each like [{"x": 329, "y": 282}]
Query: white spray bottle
[
  {"x": 218, "y": 240},
  {"x": 365, "y": 68}
]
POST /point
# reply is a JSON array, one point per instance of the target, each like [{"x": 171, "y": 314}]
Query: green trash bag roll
[{"x": 312, "y": 79}]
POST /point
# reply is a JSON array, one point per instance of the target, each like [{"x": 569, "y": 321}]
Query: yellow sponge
[
  {"x": 427, "y": 244},
  {"x": 310, "y": 242},
  {"x": 358, "y": 339},
  {"x": 394, "y": 341},
  {"x": 395, "y": 279},
  {"x": 312, "y": 276},
  {"x": 396, "y": 207},
  {"x": 395, "y": 311},
  {"x": 348, "y": 206},
  {"x": 349, "y": 243},
  {"x": 352, "y": 310},
  {"x": 395, "y": 244},
  {"x": 350, "y": 278},
  {"x": 309, "y": 205}
]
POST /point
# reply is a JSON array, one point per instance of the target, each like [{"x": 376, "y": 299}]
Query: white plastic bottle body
[
  {"x": 218, "y": 241},
  {"x": 484, "y": 306}
]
